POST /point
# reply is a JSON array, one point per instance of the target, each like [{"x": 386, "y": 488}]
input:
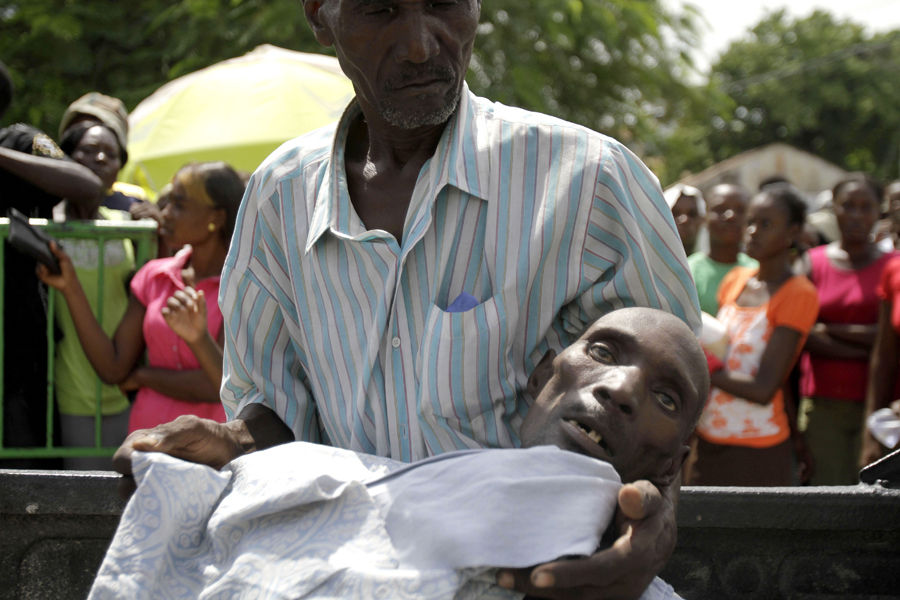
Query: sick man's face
[{"x": 627, "y": 392}]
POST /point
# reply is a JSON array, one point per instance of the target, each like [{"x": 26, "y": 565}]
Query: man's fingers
[
  {"x": 568, "y": 579},
  {"x": 513, "y": 579},
  {"x": 598, "y": 570},
  {"x": 121, "y": 460},
  {"x": 639, "y": 499},
  {"x": 126, "y": 486},
  {"x": 632, "y": 502},
  {"x": 141, "y": 439},
  {"x": 621, "y": 571}
]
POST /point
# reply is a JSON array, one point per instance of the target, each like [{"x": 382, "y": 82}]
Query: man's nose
[
  {"x": 417, "y": 42},
  {"x": 621, "y": 388}
]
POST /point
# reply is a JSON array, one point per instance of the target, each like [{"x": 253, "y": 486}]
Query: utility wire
[{"x": 800, "y": 66}]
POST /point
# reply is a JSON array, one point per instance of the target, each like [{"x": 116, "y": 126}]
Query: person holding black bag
[{"x": 34, "y": 176}]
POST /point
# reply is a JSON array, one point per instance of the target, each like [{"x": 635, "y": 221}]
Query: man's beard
[{"x": 419, "y": 115}]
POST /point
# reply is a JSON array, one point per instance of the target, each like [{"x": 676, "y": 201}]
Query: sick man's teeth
[{"x": 595, "y": 437}]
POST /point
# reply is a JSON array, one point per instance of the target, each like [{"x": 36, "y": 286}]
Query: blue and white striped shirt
[{"x": 345, "y": 333}]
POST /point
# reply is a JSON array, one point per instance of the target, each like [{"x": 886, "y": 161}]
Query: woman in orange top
[{"x": 743, "y": 435}]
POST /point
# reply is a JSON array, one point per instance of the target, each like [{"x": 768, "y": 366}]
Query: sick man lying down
[{"x": 303, "y": 520}]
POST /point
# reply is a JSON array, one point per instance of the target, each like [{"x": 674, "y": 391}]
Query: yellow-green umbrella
[{"x": 238, "y": 110}]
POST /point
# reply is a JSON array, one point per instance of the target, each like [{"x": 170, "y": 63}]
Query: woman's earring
[{"x": 211, "y": 227}]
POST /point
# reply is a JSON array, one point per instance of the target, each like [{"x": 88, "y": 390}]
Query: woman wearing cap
[
  {"x": 180, "y": 377},
  {"x": 96, "y": 147},
  {"x": 95, "y": 108}
]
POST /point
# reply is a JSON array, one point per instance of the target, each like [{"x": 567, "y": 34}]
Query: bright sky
[{"x": 730, "y": 19}]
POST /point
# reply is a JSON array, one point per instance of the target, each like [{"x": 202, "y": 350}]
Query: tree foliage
[
  {"x": 612, "y": 65},
  {"x": 57, "y": 50},
  {"x": 822, "y": 85}
]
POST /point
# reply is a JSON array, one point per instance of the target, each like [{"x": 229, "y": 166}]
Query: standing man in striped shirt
[{"x": 394, "y": 278}]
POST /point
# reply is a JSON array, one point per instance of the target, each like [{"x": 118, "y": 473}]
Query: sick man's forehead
[{"x": 668, "y": 347}]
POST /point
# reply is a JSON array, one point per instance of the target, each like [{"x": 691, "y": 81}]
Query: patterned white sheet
[{"x": 310, "y": 521}]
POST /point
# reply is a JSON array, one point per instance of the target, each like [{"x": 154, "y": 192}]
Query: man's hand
[
  {"x": 188, "y": 437},
  {"x": 203, "y": 441},
  {"x": 647, "y": 529}
]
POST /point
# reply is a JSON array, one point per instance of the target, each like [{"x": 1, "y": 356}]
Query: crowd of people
[
  {"x": 156, "y": 346},
  {"x": 810, "y": 343},
  {"x": 390, "y": 284}
]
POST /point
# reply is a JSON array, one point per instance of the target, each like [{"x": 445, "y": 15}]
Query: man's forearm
[{"x": 62, "y": 178}]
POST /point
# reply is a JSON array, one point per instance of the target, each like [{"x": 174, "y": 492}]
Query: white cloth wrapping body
[{"x": 310, "y": 521}]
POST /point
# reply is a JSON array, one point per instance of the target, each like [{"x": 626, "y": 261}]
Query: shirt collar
[
  {"x": 174, "y": 267},
  {"x": 459, "y": 160}
]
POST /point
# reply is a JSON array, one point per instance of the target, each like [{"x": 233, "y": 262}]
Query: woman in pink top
[
  {"x": 834, "y": 367},
  {"x": 200, "y": 218}
]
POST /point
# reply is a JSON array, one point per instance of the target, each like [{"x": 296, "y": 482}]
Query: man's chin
[
  {"x": 419, "y": 114},
  {"x": 410, "y": 120}
]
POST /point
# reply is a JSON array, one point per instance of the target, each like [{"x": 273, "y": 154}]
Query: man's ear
[
  {"x": 540, "y": 374},
  {"x": 313, "y": 9}
]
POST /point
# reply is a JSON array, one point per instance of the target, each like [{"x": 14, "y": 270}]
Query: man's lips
[
  {"x": 421, "y": 85},
  {"x": 588, "y": 438},
  {"x": 425, "y": 77}
]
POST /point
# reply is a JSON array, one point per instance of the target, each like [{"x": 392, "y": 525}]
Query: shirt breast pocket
[{"x": 464, "y": 371}]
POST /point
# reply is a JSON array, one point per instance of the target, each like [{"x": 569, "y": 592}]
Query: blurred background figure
[
  {"x": 199, "y": 219},
  {"x": 743, "y": 437},
  {"x": 97, "y": 147},
  {"x": 822, "y": 219},
  {"x": 835, "y": 364},
  {"x": 34, "y": 176},
  {"x": 689, "y": 211},
  {"x": 163, "y": 246},
  {"x": 726, "y": 211},
  {"x": 888, "y": 229},
  {"x": 883, "y": 382}
]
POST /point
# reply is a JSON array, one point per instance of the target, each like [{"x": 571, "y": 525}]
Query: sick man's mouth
[{"x": 591, "y": 434}]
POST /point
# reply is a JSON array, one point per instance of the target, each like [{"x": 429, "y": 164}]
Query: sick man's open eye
[
  {"x": 601, "y": 353},
  {"x": 667, "y": 402}
]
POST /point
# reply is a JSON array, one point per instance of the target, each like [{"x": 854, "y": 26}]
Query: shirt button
[{"x": 395, "y": 342}]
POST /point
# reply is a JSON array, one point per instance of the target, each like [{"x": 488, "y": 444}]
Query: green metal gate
[{"x": 143, "y": 236}]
